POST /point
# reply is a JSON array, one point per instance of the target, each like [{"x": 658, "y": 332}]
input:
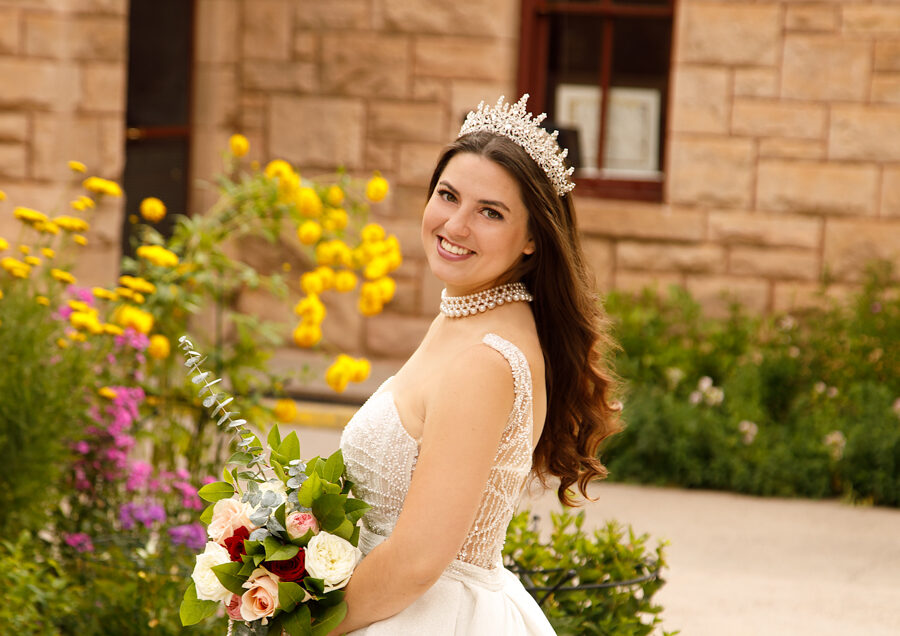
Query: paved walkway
[{"x": 747, "y": 566}]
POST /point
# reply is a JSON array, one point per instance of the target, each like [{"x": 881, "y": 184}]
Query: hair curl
[{"x": 571, "y": 324}]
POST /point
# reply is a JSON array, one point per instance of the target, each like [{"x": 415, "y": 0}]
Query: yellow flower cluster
[
  {"x": 62, "y": 276},
  {"x": 104, "y": 294},
  {"x": 158, "y": 255},
  {"x": 32, "y": 217},
  {"x": 238, "y": 145},
  {"x": 72, "y": 223},
  {"x": 84, "y": 317},
  {"x": 311, "y": 312},
  {"x": 99, "y": 185},
  {"x": 345, "y": 370},
  {"x": 285, "y": 411},
  {"x": 137, "y": 284},
  {"x": 82, "y": 203},
  {"x": 376, "y": 188},
  {"x": 15, "y": 267},
  {"x": 159, "y": 347}
]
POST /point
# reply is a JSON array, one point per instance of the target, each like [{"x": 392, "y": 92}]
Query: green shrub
[
  {"x": 604, "y": 556},
  {"x": 788, "y": 405}
]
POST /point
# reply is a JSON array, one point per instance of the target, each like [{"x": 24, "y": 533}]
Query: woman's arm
[{"x": 466, "y": 411}]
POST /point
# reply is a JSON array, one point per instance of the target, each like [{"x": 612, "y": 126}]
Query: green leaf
[
  {"x": 329, "y": 510},
  {"x": 227, "y": 573},
  {"x": 290, "y": 447},
  {"x": 355, "y": 509},
  {"x": 310, "y": 491},
  {"x": 278, "y": 551},
  {"x": 289, "y": 595},
  {"x": 193, "y": 610},
  {"x": 215, "y": 491},
  {"x": 329, "y": 619},
  {"x": 274, "y": 438},
  {"x": 334, "y": 467},
  {"x": 253, "y": 547},
  {"x": 278, "y": 468},
  {"x": 280, "y": 515},
  {"x": 227, "y": 476},
  {"x": 315, "y": 465},
  {"x": 298, "y": 622},
  {"x": 239, "y": 458},
  {"x": 316, "y": 587},
  {"x": 207, "y": 514},
  {"x": 344, "y": 530}
]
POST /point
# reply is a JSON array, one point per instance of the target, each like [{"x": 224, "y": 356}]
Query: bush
[
  {"x": 789, "y": 405},
  {"x": 605, "y": 556}
]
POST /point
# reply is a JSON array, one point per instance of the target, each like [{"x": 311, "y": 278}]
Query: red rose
[
  {"x": 235, "y": 543},
  {"x": 289, "y": 570}
]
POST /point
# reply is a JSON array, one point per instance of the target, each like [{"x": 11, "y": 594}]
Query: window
[
  {"x": 600, "y": 70},
  {"x": 157, "y": 114}
]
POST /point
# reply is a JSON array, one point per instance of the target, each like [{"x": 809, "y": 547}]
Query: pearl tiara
[{"x": 514, "y": 122}]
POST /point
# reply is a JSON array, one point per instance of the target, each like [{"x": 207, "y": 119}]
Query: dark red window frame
[{"x": 532, "y": 77}]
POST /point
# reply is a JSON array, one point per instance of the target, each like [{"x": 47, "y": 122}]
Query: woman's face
[{"x": 475, "y": 226}]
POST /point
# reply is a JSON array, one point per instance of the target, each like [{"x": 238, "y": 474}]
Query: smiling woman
[{"x": 508, "y": 382}]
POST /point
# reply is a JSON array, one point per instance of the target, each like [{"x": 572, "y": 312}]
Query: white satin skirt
[{"x": 465, "y": 601}]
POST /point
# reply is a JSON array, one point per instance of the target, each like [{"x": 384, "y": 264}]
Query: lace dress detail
[{"x": 381, "y": 456}]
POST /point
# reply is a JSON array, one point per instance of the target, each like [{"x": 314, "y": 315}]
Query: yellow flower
[
  {"x": 77, "y": 205},
  {"x": 311, "y": 283},
  {"x": 42, "y": 300},
  {"x": 153, "y": 209},
  {"x": 130, "y": 316},
  {"x": 77, "y": 336},
  {"x": 326, "y": 274},
  {"x": 377, "y": 268},
  {"x": 113, "y": 330},
  {"x": 62, "y": 343},
  {"x": 345, "y": 281},
  {"x": 307, "y": 334},
  {"x": 335, "y": 219},
  {"x": 372, "y": 233},
  {"x": 107, "y": 393},
  {"x": 83, "y": 320},
  {"x": 4, "y": 244},
  {"x": 1, "y": 294},
  {"x": 25, "y": 249},
  {"x": 158, "y": 348},
  {"x": 47, "y": 227},
  {"x": 77, "y": 166},
  {"x": 105, "y": 294},
  {"x": 238, "y": 145},
  {"x": 309, "y": 232},
  {"x": 334, "y": 196},
  {"x": 62, "y": 276},
  {"x": 310, "y": 309},
  {"x": 308, "y": 202},
  {"x": 78, "y": 305},
  {"x": 386, "y": 288},
  {"x": 285, "y": 411},
  {"x": 34, "y": 261},
  {"x": 2, "y": 195},
  {"x": 369, "y": 306},
  {"x": 27, "y": 215},
  {"x": 15, "y": 267},
  {"x": 361, "y": 370},
  {"x": 334, "y": 252},
  {"x": 102, "y": 186},
  {"x": 158, "y": 255},
  {"x": 79, "y": 239},
  {"x": 88, "y": 202},
  {"x": 72, "y": 223},
  {"x": 278, "y": 169},
  {"x": 138, "y": 284},
  {"x": 124, "y": 292},
  {"x": 376, "y": 188},
  {"x": 138, "y": 298}
]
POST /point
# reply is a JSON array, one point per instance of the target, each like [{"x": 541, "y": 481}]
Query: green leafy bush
[
  {"x": 587, "y": 559},
  {"x": 804, "y": 404}
]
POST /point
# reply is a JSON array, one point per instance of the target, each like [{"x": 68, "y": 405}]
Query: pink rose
[
  {"x": 228, "y": 516},
  {"x": 298, "y": 523},
  {"x": 233, "y": 609},
  {"x": 261, "y": 598}
]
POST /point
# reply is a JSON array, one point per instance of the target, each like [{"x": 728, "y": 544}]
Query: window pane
[
  {"x": 639, "y": 81},
  {"x": 573, "y": 87},
  {"x": 159, "y": 63}
]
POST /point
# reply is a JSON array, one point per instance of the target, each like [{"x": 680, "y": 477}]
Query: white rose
[
  {"x": 208, "y": 586},
  {"x": 331, "y": 559}
]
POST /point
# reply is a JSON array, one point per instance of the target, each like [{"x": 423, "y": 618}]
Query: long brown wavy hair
[{"x": 571, "y": 325}]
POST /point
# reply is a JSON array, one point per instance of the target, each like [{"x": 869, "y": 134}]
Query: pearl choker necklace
[{"x": 461, "y": 306}]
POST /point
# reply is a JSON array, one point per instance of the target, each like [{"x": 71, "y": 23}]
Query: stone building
[{"x": 751, "y": 148}]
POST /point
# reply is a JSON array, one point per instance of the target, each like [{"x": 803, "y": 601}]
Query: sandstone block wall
[{"x": 63, "y": 70}]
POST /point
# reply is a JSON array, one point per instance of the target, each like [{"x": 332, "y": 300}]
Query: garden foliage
[{"x": 803, "y": 404}]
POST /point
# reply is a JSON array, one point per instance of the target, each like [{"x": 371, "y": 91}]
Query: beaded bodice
[{"x": 381, "y": 456}]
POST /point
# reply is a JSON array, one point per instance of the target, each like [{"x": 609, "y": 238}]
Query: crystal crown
[{"x": 514, "y": 122}]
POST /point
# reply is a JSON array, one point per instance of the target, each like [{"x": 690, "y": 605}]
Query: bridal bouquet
[{"x": 282, "y": 532}]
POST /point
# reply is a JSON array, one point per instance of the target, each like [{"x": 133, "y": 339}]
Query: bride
[{"x": 509, "y": 381}]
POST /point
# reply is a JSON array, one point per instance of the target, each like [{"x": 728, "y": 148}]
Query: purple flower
[
  {"x": 80, "y": 541},
  {"x": 191, "y": 535},
  {"x": 147, "y": 514},
  {"x": 137, "y": 478},
  {"x": 83, "y": 294}
]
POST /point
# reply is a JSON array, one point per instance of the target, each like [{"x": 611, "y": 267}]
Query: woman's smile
[{"x": 452, "y": 251}]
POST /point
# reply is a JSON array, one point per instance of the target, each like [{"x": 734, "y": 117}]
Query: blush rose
[
  {"x": 261, "y": 598},
  {"x": 228, "y": 515},
  {"x": 298, "y": 523}
]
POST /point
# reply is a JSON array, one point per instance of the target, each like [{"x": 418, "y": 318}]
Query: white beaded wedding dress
[{"x": 475, "y": 595}]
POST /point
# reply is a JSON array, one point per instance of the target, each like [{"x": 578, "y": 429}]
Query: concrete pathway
[{"x": 748, "y": 566}]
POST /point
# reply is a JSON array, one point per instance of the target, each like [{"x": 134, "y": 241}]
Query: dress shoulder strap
[{"x": 519, "y": 365}]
